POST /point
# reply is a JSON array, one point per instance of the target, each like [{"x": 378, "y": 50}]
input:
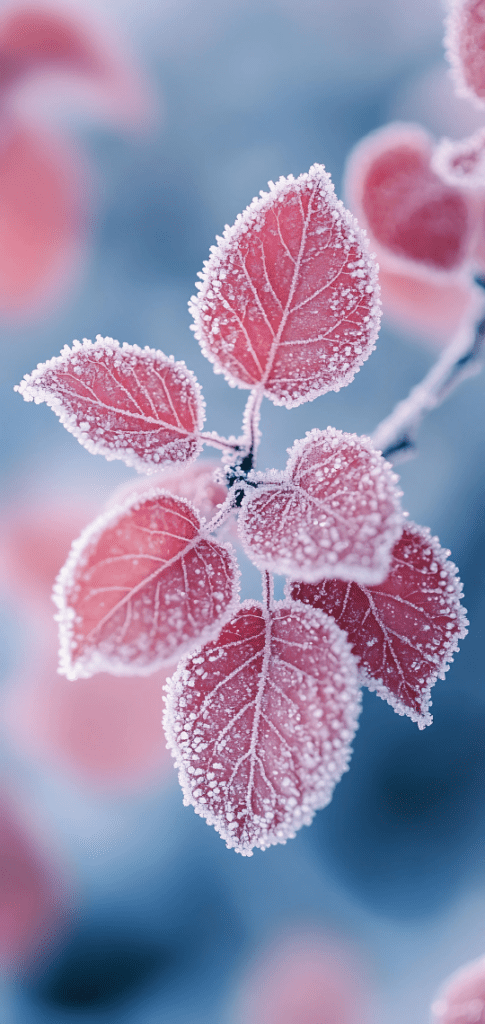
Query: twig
[{"x": 395, "y": 435}]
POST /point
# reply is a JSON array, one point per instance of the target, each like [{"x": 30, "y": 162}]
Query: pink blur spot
[
  {"x": 462, "y": 998},
  {"x": 104, "y": 731},
  {"x": 33, "y": 895},
  {"x": 304, "y": 979},
  {"x": 465, "y": 46},
  {"x": 47, "y": 57},
  {"x": 36, "y": 539},
  {"x": 41, "y": 219}
]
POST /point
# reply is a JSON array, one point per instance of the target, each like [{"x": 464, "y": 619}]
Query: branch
[{"x": 395, "y": 435}]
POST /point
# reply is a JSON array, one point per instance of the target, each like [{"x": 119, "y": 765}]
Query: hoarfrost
[
  {"x": 405, "y": 630},
  {"x": 143, "y": 585},
  {"x": 334, "y": 513},
  {"x": 122, "y": 401},
  {"x": 289, "y": 298},
  {"x": 265, "y": 715}
]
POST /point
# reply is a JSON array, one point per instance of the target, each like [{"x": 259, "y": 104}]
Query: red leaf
[
  {"x": 405, "y": 630},
  {"x": 142, "y": 586},
  {"x": 412, "y": 214},
  {"x": 465, "y": 48},
  {"x": 123, "y": 402},
  {"x": 334, "y": 512},
  {"x": 462, "y": 998},
  {"x": 289, "y": 297},
  {"x": 260, "y": 721}
]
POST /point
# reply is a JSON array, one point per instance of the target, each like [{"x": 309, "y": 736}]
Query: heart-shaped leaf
[
  {"x": 260, "y": 722},
  {"x": 143, "y": 585},
  {"x": 405, "y": 630},
  {"x": 411, "y": 213},
  {"x": 122, "y": 402},
  {"x": 334, "y": 512},
  {"x": 289, "y": 297}
]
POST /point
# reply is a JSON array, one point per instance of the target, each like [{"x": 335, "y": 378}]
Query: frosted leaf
[
  {"x": 143, "y": 585},
  {"x": 289, "y": 299},
  {"x": 122, "y": 402},
  {"x": 461, "y": 163},
  {"x": 416, "y": 219},
  {"x": 465, "y": 48},
  {"x": 334, "y": 512},
  {"x": 404, "y": 631},
  {"x": 196, "y": 483},
  {"x": 462, "y": 997},
  {"x": 260, "y": 722}
]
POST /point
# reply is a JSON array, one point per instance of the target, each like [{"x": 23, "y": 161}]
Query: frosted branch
[{"x": 464, "y": 357}]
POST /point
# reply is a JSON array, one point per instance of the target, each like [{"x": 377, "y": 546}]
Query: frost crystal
[
  {"x": 122, "y": 401},
  {"x": 260, "y": 722},
  {"x": 334, "y": 512},
  {"x": 289, "y": 298},
  {"x": 143, "y": 585},
  {"x": 405, "y": 630}
]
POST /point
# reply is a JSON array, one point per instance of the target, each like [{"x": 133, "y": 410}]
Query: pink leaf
[
  {"x": 289, "y": 297},
  {"x": 465, "y": 48},
  {"x": 143, "y": 585},
  {"x": 260, "y": 721},
  {"x": 334, "y": 512},
  {"x": 405, "y": 630},
  {"x": 123, "y": 402},
  {"x": 415, "y": 218},
  {"x": 461, "y": 163},
  {"x": 462, "y": 998}
]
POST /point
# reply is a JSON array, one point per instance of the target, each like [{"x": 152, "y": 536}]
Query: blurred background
[{"x": 131, "y": 133}]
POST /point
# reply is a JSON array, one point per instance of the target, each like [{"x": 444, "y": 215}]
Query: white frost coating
[
  {"x": 141, "y": 439},
  {"x": 454, "y": 595},
  {"x": 334, "y": 512},
  {"x": 461, "y": 164},
  {"x": 260, "y": 749},
  {"x": 330, "y": 371},
  {"x": 122, "y": 660},
  {"x": 454, "y": 25}
]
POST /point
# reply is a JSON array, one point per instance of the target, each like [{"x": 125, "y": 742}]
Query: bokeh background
[{"x": 116, "y": 902}]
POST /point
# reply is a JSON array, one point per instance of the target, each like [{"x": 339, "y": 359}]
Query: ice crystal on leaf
[
  {"x": 289, "y": 298},
  {"x": 405, "y": 630},
  {"x": 260, "y": 722},
  {"x": 334, "y": 512},
  {"x": 141, "y": 586},
  {"x": 122, "y": 402}
]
